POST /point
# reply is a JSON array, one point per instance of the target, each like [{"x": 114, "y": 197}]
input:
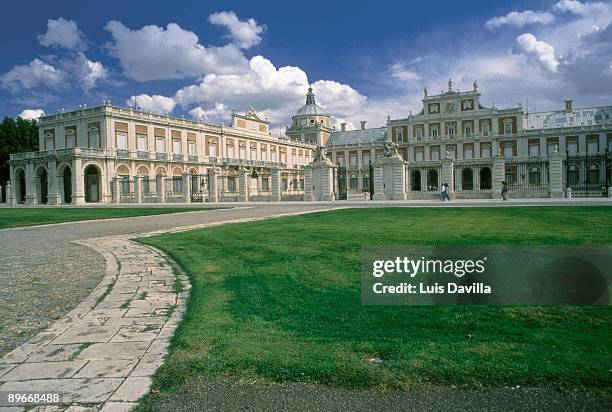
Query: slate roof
[
  {"x": 574, "y": 118},
  {"x": 358, "y": 136}
]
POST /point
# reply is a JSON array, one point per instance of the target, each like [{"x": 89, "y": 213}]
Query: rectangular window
[
  {"x": 264, "y": 155},
  {"x": 508, "y": 150},
  {"x": 451, "y": 151},
  {"x": 451, "y": 130},
  {"x": 212, "y": 149},
  {"x": 94, "y": 138},
  {"x": 230, "y": 151},
  {"x": 340, "y": 159},
  {"x": 592, "y": 146},
  {"x": 485, "y": 151},
  {"x": 572, "y": 146},
  {"x": 353, "y": 159},
  {"x": 419, "y": 134},
  {"x": 434, "y": 153},
  {"x": 122, "y": 141},
  {"x": 434, "y": 133},
  {"x": 400, "y": 136},
  {"x": 253, "y": 152},
  {"x": 552, "y": 147},
  {"x": 176, "y": 146},
  {"x": 468, "y": 151},
  {"x": 534, "y": 149},
  {"x": 418, "y": 155},
  {"x": 160, "y": 144},
  {"x": 141, "y": 141},
  {"x": 49, "y": 143},
  {"x": 365, "y": 158},
  {"x": 242, "y": 152},
  {"x": 467, "y": 130},
  {"x": 191, "y": 147},
  {"x": 485, "y": 127},
  {"x": 274, "y": 157},
  {"x": 507, "y": 127}
]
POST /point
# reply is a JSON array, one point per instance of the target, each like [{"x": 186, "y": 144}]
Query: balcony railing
[
  {"x": 142, "y": 154},
  {"x": 193, "y": 158},
  {"x": 123, "y": 153},
  {"x": 161, "y": 156},
  {"x": 177, "y": 157}
]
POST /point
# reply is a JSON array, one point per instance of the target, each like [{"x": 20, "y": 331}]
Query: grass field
[
  {"x": 279, "y": 301},
  {"x": 14, "y": 217}
]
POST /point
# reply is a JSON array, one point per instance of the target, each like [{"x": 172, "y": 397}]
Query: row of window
[{"x": 451, "y": 130}]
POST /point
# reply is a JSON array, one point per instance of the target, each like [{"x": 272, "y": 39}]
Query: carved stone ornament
[
  {"x": 390, "y": 149},
  {"x": 320, "y": 154}
]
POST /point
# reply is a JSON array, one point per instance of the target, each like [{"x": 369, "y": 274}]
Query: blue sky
[{"x": 203, "y": 59}]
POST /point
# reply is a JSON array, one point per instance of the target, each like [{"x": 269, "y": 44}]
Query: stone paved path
[{"x": 102, "y": 354}]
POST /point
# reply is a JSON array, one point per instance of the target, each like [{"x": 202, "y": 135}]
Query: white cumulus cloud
[
  {"x": 155, "y": 53},
  {"x": 29, "y": 114},
  {"x": 543, "y": 52},
  {"x": 520, "y": 19},
  {"x": 27, "y": 76},
  {"x": 244, "y": 33},
  {"x": 153, "y": 103},
  {"x": 63, "y": 33},
  {"x": 89, "y": 72},
  {"x": 277, "y": 93},
  {"x": 219, "y": 113},
  {"x": 579, "y": 8}
]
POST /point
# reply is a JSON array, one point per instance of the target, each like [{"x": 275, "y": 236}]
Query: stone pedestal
[
  {"x": 498, "y": 175},
  {"x": 448, "y": 175},
  {"x": 212, "y": 186},
  {"x": 390, "y": 178},
  {"x": 555, "y": 170},
  {"x": 276, "y": 184},
  {"x": 319, "y": 181},
  {"x": 10, "y": 196},
  {"x": 243, "y": 194}
]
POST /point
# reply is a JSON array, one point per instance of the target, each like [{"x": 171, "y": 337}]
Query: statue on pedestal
[
  {"x": 320, "y": 154},
  {"x": 390, "y": 149}
]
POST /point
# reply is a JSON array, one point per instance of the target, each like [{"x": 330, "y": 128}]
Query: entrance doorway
[{"x": 92, "y": 184}]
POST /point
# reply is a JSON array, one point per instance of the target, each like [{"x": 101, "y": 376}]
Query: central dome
[{"x": 311, "y": 108}]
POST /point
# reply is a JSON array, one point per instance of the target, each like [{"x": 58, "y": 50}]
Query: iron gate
[
  {"x": 588, "y": 175},
  {"x": 341, "y": 177},
  {"x": 199, "y": 188}
]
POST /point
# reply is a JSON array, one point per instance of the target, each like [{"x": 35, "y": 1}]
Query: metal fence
[
  {"x": 174, "y": 186},
  {"x": 527, "y": 175},
  {"x": 199, "y": 187},
  {"x": 473, "y": 175},
  {"x": 424, "y": 177},
  {"x": 587, "y": 175}
]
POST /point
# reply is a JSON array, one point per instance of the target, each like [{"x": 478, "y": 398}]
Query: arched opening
[
  {"x": 467, "y": 179},
  {"x": 92, "y": 184},
  {"x": 415, "y": 180},
  {"x": 42, "y": 186},
  {"x": 592, "y": 176},
  {"x": 572, "y": 175},
  {"x": 123, "y": 173},
  {"x": 432, "y": 180},
  {"x": 485, "y": 178},
  {"x": 143, "y": 173},
  {"x": 20, "y": 186},
  {"x": 231, "y": 180},
  {"x": 65, "y": 176}
]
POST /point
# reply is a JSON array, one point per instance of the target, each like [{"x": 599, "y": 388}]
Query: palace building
[{"x": 109, "y": 154}]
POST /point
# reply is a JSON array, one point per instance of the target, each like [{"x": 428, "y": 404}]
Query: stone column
[
  {"x": 161, "y": 193},
  {"x": 10, "y": 198},
  {"x": 116, "y": 190},
  {"x": 212, "y": 186},
  {"x": 30, "y": 197},
  {"x": 243, "y": 194},
  {"x": 555, "y": 169},
  {"x": 276, "y": 184},
  {"x": 186, "y": 184},
  {"x": 499, "y": 174},
  {"x": 138, "y": 188},
  {"x": 392, "y": 178},
  {"x": 447, "y": 174},
  {"x": 379, "y": 193},
  {"x": 318, "y": 181},
  {"x": 78, "y": 195},
  {"x": 53, "y": 197}
]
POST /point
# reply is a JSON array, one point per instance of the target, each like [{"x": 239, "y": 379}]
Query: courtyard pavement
[{"x": 87, "y": 311}]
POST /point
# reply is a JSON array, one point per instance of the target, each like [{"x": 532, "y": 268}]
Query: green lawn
[
  {"x": 13, "y": 217},
  {"x": 279, "y": 301}
]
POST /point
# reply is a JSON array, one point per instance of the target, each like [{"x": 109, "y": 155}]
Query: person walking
[
  {"x": 504, "y": 191},
  {"x": 442, "y": 193},
  {"x": 447, "y": 191}
]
